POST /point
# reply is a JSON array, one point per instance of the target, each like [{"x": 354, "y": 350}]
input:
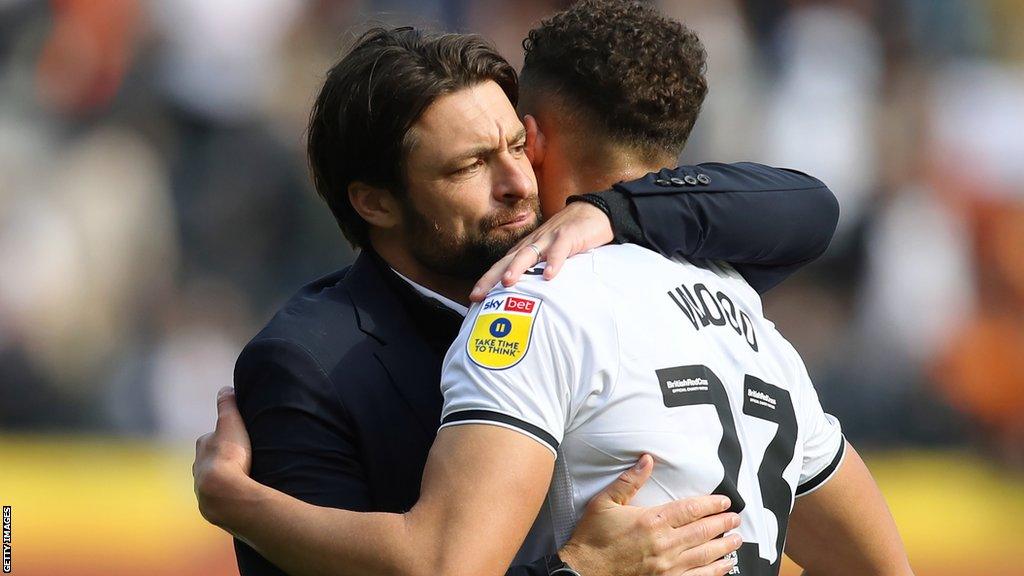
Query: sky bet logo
[
  {"x": 512, "y": 304},
  {"x": 501, "y": 331}
]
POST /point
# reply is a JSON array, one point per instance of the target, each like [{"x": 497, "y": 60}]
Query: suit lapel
[{"x": 413, "y": 367}]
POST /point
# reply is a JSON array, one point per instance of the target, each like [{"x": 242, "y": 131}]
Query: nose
[{"x": 513, "y": 179}]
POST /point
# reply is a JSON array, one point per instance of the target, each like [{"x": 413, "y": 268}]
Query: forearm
[
  {"x": 465, "y": 524},
  {"x": 307, "y": 540},
  {"x": 745, "y": 214}
]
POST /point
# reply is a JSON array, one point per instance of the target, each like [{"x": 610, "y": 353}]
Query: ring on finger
[{"x": 535, "y": 249}]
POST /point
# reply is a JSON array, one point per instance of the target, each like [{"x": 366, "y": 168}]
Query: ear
[
  {"x": 376, "y": 205},
  {"x": 534, "y": 141}
]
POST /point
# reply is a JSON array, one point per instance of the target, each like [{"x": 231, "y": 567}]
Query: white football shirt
[{"x": 628, "y": 352}]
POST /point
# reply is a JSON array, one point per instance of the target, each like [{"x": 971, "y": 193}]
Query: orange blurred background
[{"x": 155, "y": 211}]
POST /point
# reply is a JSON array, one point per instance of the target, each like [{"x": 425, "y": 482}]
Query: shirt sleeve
[
  {"x": 769, "y": 222},
  {"x": 823, "y": 443},
  {"x": 527, "y": 357}
]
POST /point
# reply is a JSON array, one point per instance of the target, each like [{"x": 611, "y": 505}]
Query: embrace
[{"x": 550, "y": 356}]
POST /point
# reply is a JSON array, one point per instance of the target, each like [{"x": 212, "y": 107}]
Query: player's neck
[{"x": 601, "y": 173}]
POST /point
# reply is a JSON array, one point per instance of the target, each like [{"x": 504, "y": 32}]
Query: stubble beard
[{"x": 465, "y": 256}]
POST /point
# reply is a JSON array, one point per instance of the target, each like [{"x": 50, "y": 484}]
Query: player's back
[{"x": 628, "y": 352}]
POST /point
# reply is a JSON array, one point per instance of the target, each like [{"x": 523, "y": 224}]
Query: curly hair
[{"x": 635, "y": 72}]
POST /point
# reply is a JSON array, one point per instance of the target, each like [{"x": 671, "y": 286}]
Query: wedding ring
[{"x": 535, "y": 249}]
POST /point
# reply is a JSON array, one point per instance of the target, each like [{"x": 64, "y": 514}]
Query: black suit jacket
[{"x": 340, "y": 391}]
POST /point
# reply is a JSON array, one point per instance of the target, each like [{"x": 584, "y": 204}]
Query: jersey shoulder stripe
[
  {"x": 825, "y": 475},
  {"x": 489, "y": 417}
]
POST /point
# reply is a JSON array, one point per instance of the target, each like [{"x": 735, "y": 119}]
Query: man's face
[{"x": 472, "y": 193}]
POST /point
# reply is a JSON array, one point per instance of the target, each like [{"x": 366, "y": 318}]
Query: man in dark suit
[{"x": 340, "y": 391}]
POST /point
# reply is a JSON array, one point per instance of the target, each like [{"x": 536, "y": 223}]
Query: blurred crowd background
[{"x": 155, "y": 210}]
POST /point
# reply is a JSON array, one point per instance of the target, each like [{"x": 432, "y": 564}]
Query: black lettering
[
  {"x": 697, "y": 308},
  {"x": 731, "y": 313},
  {"x": 701, "y": 290},
  {"x": 717, "y": 310},
  {"x": 748, "y": 331},
  {"x": 684, "y": 306}
]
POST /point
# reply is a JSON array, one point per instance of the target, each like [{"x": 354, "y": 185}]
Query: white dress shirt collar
[{"x": 447, "y": 302}]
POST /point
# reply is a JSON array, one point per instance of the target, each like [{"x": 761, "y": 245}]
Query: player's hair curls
[{"x": 634, "y": 71}]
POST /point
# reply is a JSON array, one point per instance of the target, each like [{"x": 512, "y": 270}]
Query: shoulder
[
  {"x": 612, "y": 260},
  {"x": 586, "y": 280},
  {"x": 573, "y": 305},
  {"x": 633, "y": 270},
  {"x": 572, "y": 288},
  {"x": 600, "y": 266},
  {"x": 310, "y": 333}
]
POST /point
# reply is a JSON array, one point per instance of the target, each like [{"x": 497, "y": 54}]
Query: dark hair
[
  {"x": 359, "y": 126},
  {"x": 635, "y": 72}
]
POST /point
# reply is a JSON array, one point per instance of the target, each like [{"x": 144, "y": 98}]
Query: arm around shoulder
[
  {"x": 481, "y": 491},
  {"x": 768, "y": 221}
]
